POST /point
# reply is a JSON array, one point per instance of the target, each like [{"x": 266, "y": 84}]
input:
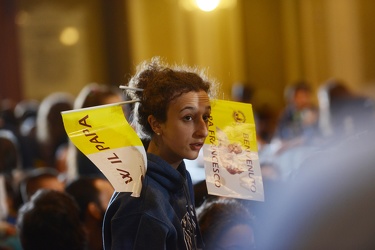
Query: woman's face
[{"x": 183, "y": 134}]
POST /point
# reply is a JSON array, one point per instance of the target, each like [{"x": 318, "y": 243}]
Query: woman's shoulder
[{"x": 151, "y": 192}]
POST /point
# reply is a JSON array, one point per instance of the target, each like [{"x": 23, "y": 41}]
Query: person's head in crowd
[
  {"x": 265, "y": 122},
  {"x": 26, "y": 112},
  {"x": 9, "y": 212},
  {"x": 92, "y": 195},
  {"x": 242, "y": 92},
  {"x": 50, "y": 220},
  {"x": 40, "y": 178},
  {"x": 8, "y": 119},
  {"x": 226, "y": 224},
  {"x": 344, "y": 112},
  {"x": 95, "y": 94},
  {"x": 50, "y": 134},
  {"x": 49, "y": 121},
  {"x": 50, "y": 131},
  {"x": 9, "y": 153},
  {"x": 300, "y": 95},
  {"x": 298, "y": 122},
  {"x": 9, "y": 239}
]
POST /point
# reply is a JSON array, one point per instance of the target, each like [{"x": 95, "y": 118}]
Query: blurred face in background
[
  {"x": 106, "y": 191},
  {"x": 48, "y": 182},
  {"x": 302, "y": 99},
  {"x": 238, "y": 237}
]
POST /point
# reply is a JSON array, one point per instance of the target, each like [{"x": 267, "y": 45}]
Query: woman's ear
[{"x": 155, "y": 125}]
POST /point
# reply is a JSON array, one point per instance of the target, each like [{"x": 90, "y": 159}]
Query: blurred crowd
[
  {"x": 36, "y": 155},
  {"x": 316, "y": 162}
]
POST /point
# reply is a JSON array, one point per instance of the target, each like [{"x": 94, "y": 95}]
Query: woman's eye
[
  {"x": 206, "y": 118},
  {"x": 188, "y": 118}
]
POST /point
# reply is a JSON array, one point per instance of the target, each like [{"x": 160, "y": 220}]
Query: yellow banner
[
  {"x": 106, "y": 138},
  {"x": 231, "y": 153},
  {"x": 92, "y": 129}
]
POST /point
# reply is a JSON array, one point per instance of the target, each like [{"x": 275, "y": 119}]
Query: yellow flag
[
  {"x": 103, "y": 134},
  {"x": 230, "y": 152}
]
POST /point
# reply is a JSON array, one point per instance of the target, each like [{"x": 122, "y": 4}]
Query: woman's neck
[{"x": 155, "y": 149}]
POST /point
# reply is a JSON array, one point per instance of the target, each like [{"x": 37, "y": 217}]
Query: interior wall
[
  {"x": 343, "y": 32},
  {"x": 10, "y": 80},
  {"x": 367, "y": 45},
  {"x": 47, "y": 64},
  {"x": 213, "y": 40},
  {"x": 265, "y": 44},
  {"x": 265, "y": 55},
  {"x": 242, "y": 44},
  {"x": 314, "y": 41},
  {"x": 337, "y": 42}
]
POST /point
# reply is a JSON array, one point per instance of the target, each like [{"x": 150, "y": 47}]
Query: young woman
[{"x": 172, "y": 117}]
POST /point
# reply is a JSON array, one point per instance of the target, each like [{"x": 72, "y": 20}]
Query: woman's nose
[{"x": 201, "y": 128}]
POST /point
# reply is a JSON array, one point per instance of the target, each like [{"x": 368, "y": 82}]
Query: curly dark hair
[
  {"x": 161, "y": 84},
  {"x": 218, "y": 214},
  {"x": 50, "y": 220}
]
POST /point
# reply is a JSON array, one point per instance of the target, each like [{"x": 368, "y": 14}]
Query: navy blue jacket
[{"x": 163, "y": 217}]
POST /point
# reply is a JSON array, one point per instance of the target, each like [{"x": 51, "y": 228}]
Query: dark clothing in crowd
[{"x": 163, "y": 217}]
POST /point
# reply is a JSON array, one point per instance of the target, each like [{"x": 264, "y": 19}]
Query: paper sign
[
  {"x": 230, "y": 152},
  {"x": 106, "y": 138}
]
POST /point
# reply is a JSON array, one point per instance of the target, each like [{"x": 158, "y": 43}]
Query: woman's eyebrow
[
  {"x": 188, "y": 108},
  {"x": 192, "y": 108}
]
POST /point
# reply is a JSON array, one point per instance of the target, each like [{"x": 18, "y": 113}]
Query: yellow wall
[
  {"x": 267, "y": 44},
  {"x": 209, "y": 40}
]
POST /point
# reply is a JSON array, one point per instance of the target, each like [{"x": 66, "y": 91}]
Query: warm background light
[
  {"x": 207, "y": 5},
  {"x": 69, "y": 36}
]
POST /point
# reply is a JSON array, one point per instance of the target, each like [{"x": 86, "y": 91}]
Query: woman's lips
[{"x": 196, "y": 146}]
